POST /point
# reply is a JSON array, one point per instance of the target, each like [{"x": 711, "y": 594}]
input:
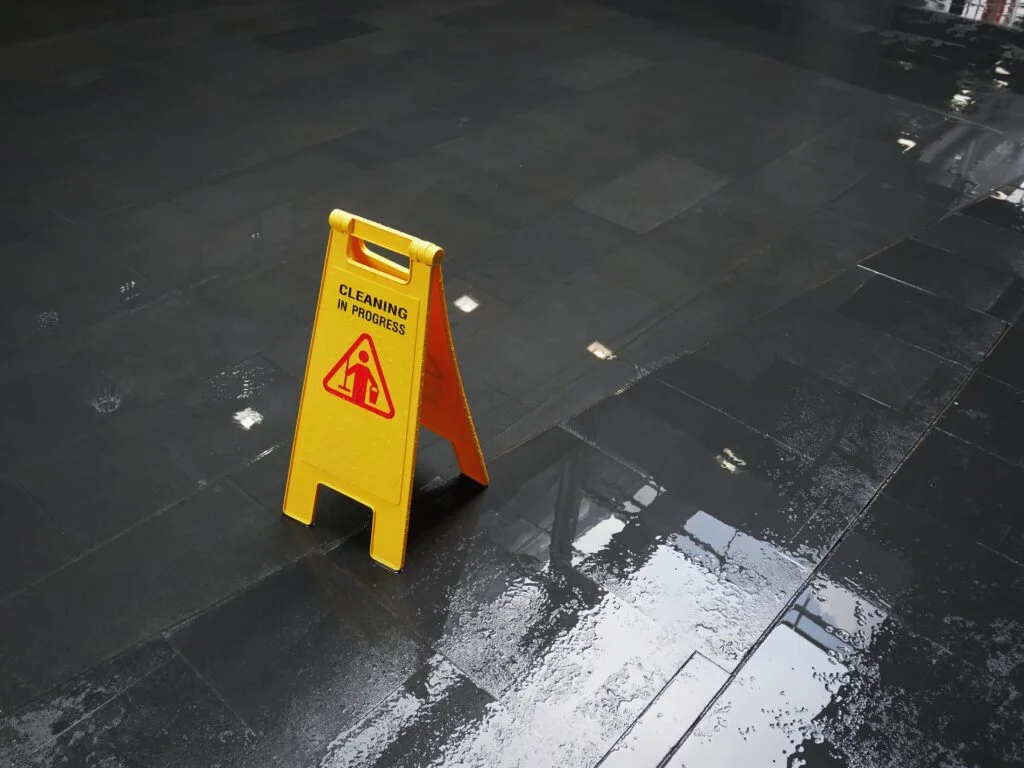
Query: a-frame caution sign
[
  {"x": 358, "y": 378},
  {"x": 360, "y": 413}
]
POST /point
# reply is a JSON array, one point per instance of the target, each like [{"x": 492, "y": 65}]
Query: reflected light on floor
[
  {"x": 730, "y": 461},
  {"x": 600, "y": 351},
  {"x": 466, "y": 303},
  {"x": 248, "y": 418}
]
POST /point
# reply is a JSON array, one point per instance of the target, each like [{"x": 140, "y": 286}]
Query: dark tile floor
[{"x": 780, "y": 526}]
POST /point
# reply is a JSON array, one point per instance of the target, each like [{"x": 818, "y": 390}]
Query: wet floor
[{"x": 736, "y": 293}]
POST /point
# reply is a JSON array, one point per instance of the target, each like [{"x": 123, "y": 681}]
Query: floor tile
[
  {"x": 321, "y": 33},
  {"x": 811, "y": 414},
  {"x": 955, "y": 593},
  {"x": 662, "y": 270},
  {"x": 400, "y": 137},
  {"x": 28, "y": 730},
  {"x": 989, "y": 414},
  {"x": 942, "y": 273},
  {"x": 46, "y": 408},
  {"x": 966, "y": 488},
  {"x": 205, "y": 430},
  {"x": 890, "y": 203},
  {"x": 927, "y": 321},
  {"x": 596, "y": 69},
  {"x": 229, "y": 198},
  {"x": 978, "y": 241},
  {"x": 437, "y": 715},
  {"x": 1001, "y": 209},
  {"x": 145, "y": 725},
  {"x": 652, "y": 193},
  {"x": 721, "y": 308},
  {"x": 511, "y": 142},
  {"x": 814, "y": 249},
  {"x": 677, "y": 707},
  {"x": 837, "y": 348},
  {"x": 198, "y": 339},
  {"x": 32, "y": 545},
  {"x": 838, "y": 683},
  {"x": 724, "y": 144},
  {"x": 305, "y": 648},
  {"x": 138, "y": 584},
  {"x": 523, "y": 352},
  {"x": 18, "y": 220},
  {"x": 543, "y": 253},
  {"x": 585, "y": 161},
  {"x": 1006, "y": 361}
]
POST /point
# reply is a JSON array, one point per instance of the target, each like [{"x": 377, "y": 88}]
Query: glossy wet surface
[{"x": 779, "y": 526}]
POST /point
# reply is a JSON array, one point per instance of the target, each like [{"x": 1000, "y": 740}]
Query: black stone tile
[
  {"x": 1011, "y": 303},
  {"x": 511, "y": 142},
  {"x": 31, "y": 544},
  {"x": 943, "y": 273},
  {"x": 204, "y": 431},
  {"x": 242, "y": 248},
  {"x": 815, "y": 249},
  {"x": 198, "y": 339},
  {"x": 470, "y": 309},
  {"x": 979, "y": 242},
  {"x": 715, "y": 501},
  {"x": 437, "y": 715},
  {"x": 931, "y": 322},
  {"x": 596, "y": 69},
  {"x": 598, "y": 382},
  {"x": 959, "y": 595},
  {"x": 811, "y": 414},
  {"x": 152, "y": 576},
  {"x": 966, "y": 488},
  {"x": 583, "y": 162},
  {"x": 1002, "y": 208},
  {"x": 228, "y": 198},
  {"x": 145, "y": 725},
  {"x": 44, "y": 323},
  {"x": 652, "y": 193},
  {"x": 658, "y": 268},
  {"x": 401, "y": 136},
  {"x": 18, "y": 220},
  {"x": 487, "y": 103},
  {"x": 31, "y": 728},
  {"x": 60, "y": 403},
  {"x": 544, "y": 252},
  {"x": 813, "y": 173},
  {"x": 891, "y": 203},
  {"x": 321, "y": 33},
  {"x": 989, "y": 414},
  {"x": 835, "y": 347},
  {"x": 839, "y": 683},
  {"x": 548, "y": 644},
  {"x": 1006, "y": 361},
  {"x": 522, "y": 353},
  {"x": 712, "y": 313},
  {"x": 677, "y": 707},
  {"x": 304, "y": 649}
]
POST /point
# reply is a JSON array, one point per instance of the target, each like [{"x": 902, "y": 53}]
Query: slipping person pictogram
[{"x": 357, "y": 377}]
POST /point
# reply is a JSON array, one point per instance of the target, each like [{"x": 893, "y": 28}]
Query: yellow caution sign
[{"x": 381, "y": 362}]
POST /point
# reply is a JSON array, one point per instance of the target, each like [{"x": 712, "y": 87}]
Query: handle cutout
[{"x": 397, "y": 266}]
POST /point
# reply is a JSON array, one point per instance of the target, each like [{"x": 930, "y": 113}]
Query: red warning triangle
[{"x": 358, "y": 378}]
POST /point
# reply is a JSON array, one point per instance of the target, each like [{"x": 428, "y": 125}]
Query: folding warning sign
[{"x": 381, "y": 362}]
